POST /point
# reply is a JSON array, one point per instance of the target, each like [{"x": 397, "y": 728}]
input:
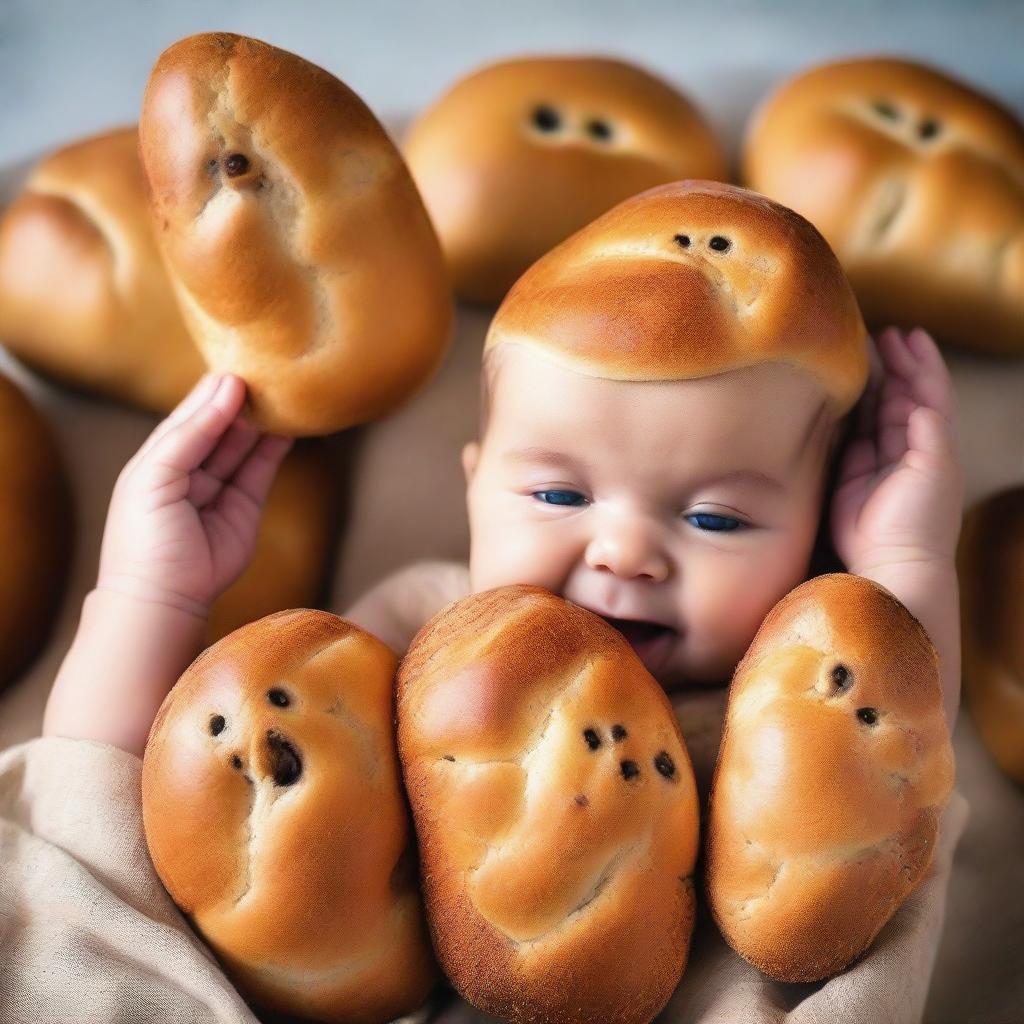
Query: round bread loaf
[
  {"x": 35, "y": 531},
  {"x": 555, "y": 808},
  {"x": 293, "y": 555},
  {"x": 520, "y": 154},
  {"x": 834, "y": 766},
  {"x": 917, "y": 182},
  {"x": 83, "y": 292},
  {"x": 274, "y": 815},
  {"x": 991, "y": 570},
  {"x": 302, "y": 255},
  {"x": 687, "y": 280}
]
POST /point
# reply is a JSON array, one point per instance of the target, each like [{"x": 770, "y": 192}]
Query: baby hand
[
  {"x": 186, "y": 508},
  {"x": 900, "y": 491}
]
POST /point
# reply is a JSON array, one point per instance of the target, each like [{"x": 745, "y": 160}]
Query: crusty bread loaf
[
  {"x": 83, "y": 292},
  {"x": 274, "y": 815},
  {"x": 991, "y": 570},
  {"x": 917, "y": 182},
  {"x": 555, "y": 809},
  {"x": 302, "y": 255},
  {"x": 35, "y": 531},
  {"x": 687, "y": 280},
  {"x": 834, "y": 766},
  {"x": 519, "y": 154},
  {"x": 293, "y": 554}
]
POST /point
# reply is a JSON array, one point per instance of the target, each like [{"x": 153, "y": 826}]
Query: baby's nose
[{"x": 628, "y": 548}]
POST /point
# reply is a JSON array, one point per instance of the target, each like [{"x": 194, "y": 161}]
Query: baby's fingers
[
  {"x": 185, "y": 446},
  {"x": 933, "y": 383},
  {"x": 257, "y": 473}
]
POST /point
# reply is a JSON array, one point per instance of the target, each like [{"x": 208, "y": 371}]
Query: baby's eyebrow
[
  {"x": 536, "y": 454},
  {"x": 753, "y": 477}
]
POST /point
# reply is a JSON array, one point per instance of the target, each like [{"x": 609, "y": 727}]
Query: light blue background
[{"x": 70, "y": 68}]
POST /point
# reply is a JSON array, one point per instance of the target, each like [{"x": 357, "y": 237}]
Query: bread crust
[
  {"x": 556, "y": 856},
  {"x": 625, "y": 299},
  {"x": 275, "y": 818},
  {"x": 916, "y": 180},
  {"x": 301, "y": 253},
  {"x": 502, "y": 190},
  {"x": 834, "y": 767}
]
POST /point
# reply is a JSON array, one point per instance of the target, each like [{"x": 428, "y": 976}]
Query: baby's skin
[{"x": 687, "y": 508}]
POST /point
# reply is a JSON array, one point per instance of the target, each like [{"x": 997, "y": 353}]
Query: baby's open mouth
[{"x": 652, "y": 641}]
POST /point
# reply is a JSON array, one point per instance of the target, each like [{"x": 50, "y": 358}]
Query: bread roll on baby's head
[
  {"x": 302, "y": 255},
  {"x": 834, "y": 766},
  {"x": 519, "y": 154},
  {"x": 555, "y": 808},
  {"x": 275, "y": 817},
  {"x": 688, "y": 280},
  {"x": 916, "y": 180}
]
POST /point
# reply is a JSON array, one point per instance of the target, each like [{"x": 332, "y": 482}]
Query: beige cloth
[{"x": 88, "y": 934}]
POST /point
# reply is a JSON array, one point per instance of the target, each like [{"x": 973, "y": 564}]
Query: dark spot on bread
[
  {"x": 665, "y": 765},
  {"x": 599, "y": 130},
  {"x": 886, "y": 109},
  {"x": 593, "y": 740},
  {"x": 867, "y": 715},
  {"x": 841, "y": 677},
  {"x": 217, "y": 724},
  {"x": 618, "y": 732},
  {"x": 719, "y": 243},
  {"x": 630, "y": 769},
  {"x": 285, "y": 763},
  {"x": 236, "y": 164},
  {"x": 546, "y": 118},
  {"x": 236, "y": 762},
  {"x": 213, "y": 165},
  {"x": 683, "y": 241},
  {"x": 581, "y": 800},
  {"x": 928, "y": 128},
  {"x": 448, "y": 757},
  {"x": 278, "y": 698}
]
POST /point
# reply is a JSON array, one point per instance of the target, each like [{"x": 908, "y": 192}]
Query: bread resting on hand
[
  {"x": 555, "y": 809},
  {"x": 274, "y": 815},
  {"x": 834, "y": 767}
]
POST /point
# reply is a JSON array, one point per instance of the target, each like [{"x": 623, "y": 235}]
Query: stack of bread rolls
[
  {"x": 555, "y": 809},
  {"x": 35, "y": 531},
  {"x": 520, "y": 154},
  {"x": 298, "y": 246},
  {"x": 274, "y": 815},
  {"x": 991, "y": 570},
  {"x": 917, "y": 182},
  {"x": 83, "y": 292},
  {"x": 834, "y": 767}
]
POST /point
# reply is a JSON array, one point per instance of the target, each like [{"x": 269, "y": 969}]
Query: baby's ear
[{"x": 470, "y": 457}]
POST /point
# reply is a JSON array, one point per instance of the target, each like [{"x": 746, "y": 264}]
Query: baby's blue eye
[
  {"x": 560, "y": 497},
  {"x": 709, "y": 521}
]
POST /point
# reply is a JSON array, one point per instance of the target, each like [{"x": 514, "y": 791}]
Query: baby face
[{"x": 680, "y": 511}]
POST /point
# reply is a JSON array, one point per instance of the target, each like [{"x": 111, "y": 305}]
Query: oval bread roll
[
  {"x": 303, "y": 258},
  {"x": 917, "y": 182},
  {"x": 688, "y": 280},
  {"x": 991, "y": 570},
  {"x": 293, "y": 554},
  {"x": 834, "y": 766},
  {"x": 555, "y": 809},
  {"x": 274, "y": 815},
  {"x": 84, "y": 296},
  {"x": 520, "y": 154},
  {"x": 35, "y": 531}
]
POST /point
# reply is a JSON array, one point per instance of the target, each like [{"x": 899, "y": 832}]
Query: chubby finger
[
  {"x": 187, "y": 445},
  {"x": 201, "y": 392},
  {"x": 934, "y": 383},
  {"x": 241, "y": 437},
  {"x": 932, "y": 438},
  {"x": 255, "y": 476}
]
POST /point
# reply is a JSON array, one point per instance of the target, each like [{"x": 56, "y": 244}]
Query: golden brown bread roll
[
  {"x": 991, "y": 569},
  {"x": 274, "y": 815},
  {"x": 293, "y": 554},
  {"x": 35, "y": 531},
  {"x": 520, "y": 154},
  {"x": 300, "y": 250},
  {"x": 83, "y": 292},
  {"x": 834, "y": 766},
  {"x": 687, "y": 280},
  {"x": 555, "y": 809},
  {"x": 917, "y": 182}
]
